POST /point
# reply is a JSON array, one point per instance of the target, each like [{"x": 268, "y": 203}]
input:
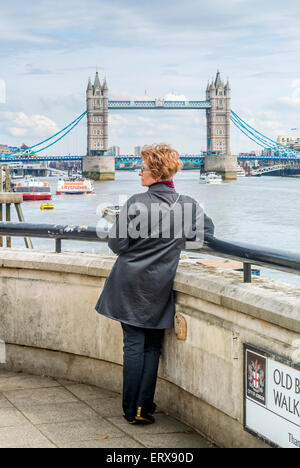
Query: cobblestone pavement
[{"x": 42, "y": 412}]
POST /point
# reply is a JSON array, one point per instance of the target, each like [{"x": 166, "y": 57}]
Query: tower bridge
[
  {"x": 98, "y": 164},
  {"x": 217, "y": 107}
]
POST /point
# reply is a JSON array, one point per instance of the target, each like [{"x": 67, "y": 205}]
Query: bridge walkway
[{"x": 43, "y": 412}]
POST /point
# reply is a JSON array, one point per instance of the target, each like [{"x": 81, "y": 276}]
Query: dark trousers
[{"x": 142, "y": 349}]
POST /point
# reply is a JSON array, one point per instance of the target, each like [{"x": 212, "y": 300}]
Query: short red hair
[{"x": 162, "y": 160}]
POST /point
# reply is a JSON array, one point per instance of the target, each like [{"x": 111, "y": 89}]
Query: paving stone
[
  {"x": 38, "y": 412},
  {"x": 174, "y": 440},
  {"x": 107, "y": 407},
  {"x": 60, "y": 412},
  {"x": 65, "y": 382},
  {"x": 163, "y": 425},
  {"x": 4, "y": 403},
  {"x": 11, "y": 417},
  {"x": 110, "y": 442},
  {"x": 64, "y": 433},
  {"x": 6, "y": 374},
  {"x": 45, "y": 444},
  {"x": 22, "y": 436},
  {"x": 26, "y": 381},
  {"x": 23, "y": 399},
  {"x": 89, "y": 392}
]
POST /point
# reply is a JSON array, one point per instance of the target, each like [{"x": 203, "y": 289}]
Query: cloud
[
  {"x": 28, "y": 125},
  {"x": 174, "y": 97},
  {"x": 72, "y": 105},
  {"x": 2, "y": 92},
  {"x": 203, "y": 26},
  {"x": 294, "y": 99},
  {"x": 17, "y": 132},
  {"x": 116, "y": 120},
  {"x": 32, "y": 70}
]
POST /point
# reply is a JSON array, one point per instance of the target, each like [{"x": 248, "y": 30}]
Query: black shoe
[
  {"x": 151, "y": 408},
  {"x": 129, "y": 420},
  {"x": 144, "y": 417}
]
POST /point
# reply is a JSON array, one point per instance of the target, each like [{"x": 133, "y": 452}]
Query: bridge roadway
[
  {"x": 43, "y": 412},
  {"x": 198, "y": 159}
]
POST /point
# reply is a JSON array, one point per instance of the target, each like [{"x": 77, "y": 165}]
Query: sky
[{"x": 169, "y": 49}]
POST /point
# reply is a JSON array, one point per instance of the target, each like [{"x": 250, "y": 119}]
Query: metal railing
[{"x": 248, "y": 254}]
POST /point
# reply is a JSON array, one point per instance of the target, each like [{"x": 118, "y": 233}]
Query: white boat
[
  {"x": 240, "y": 172},
  {"x": 74, "y": 186},
  {"x": 210, "y": 178},
  {"x": 255, "y": 173},
  {"x": 33, "y": 189},
  {"x": 15, "y": 176}
]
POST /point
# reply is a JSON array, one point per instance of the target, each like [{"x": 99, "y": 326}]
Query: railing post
[
  {"x": 247, "y": 272},
  {"x": 8, "y": 238},
  {"x": 58, "y": 245},
  {"x": 1, "y": 216},
  {"x": 27, "y": 240}
]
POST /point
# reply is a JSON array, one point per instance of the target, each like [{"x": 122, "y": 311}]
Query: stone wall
[
  {"x": 224, "y": 165},
  {"x": 98, "y": 167},
  {"x": 50, "y": 327}
]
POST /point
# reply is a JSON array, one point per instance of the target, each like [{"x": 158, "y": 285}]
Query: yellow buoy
[{"x": 47, "y": 206}]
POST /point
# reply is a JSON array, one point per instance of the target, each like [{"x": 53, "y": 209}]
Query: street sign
[{"x": 271, "y": 397}]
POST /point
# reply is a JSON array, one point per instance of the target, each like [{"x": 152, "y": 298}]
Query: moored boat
[
  {"x": 210, "y": 178},
  {"x": 74, "y": 186},
  {"x": 33, "y": 189},
  {"x": 240, "y": 171},
  {"x": 255, "y": 173}
]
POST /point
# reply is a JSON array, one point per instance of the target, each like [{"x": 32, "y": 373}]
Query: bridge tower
[
  {"x": 96, "y": 165},
  {"x": 218, "y": 158}
]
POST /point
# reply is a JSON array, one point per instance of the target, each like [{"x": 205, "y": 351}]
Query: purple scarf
[{"x": 169, "y": 183}]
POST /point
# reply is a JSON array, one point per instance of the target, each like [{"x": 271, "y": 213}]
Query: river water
[{"x": 264, "y": 211}]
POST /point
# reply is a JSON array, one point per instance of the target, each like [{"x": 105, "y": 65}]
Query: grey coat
[{"x": 139, "y": 289}]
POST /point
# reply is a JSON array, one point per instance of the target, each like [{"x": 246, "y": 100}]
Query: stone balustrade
[{"x": 50, "y": 327}]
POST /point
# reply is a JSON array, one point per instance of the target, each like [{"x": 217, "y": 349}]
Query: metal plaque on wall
[{"x": 271, "y": 397}]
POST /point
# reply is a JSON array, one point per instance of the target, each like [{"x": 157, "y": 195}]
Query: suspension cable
[
  {"x": 75, "y": 122},
  {"x": 268, "y": 141}
]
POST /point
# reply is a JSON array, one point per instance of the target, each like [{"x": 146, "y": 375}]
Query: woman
[{"x": 148, "y": 237}]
